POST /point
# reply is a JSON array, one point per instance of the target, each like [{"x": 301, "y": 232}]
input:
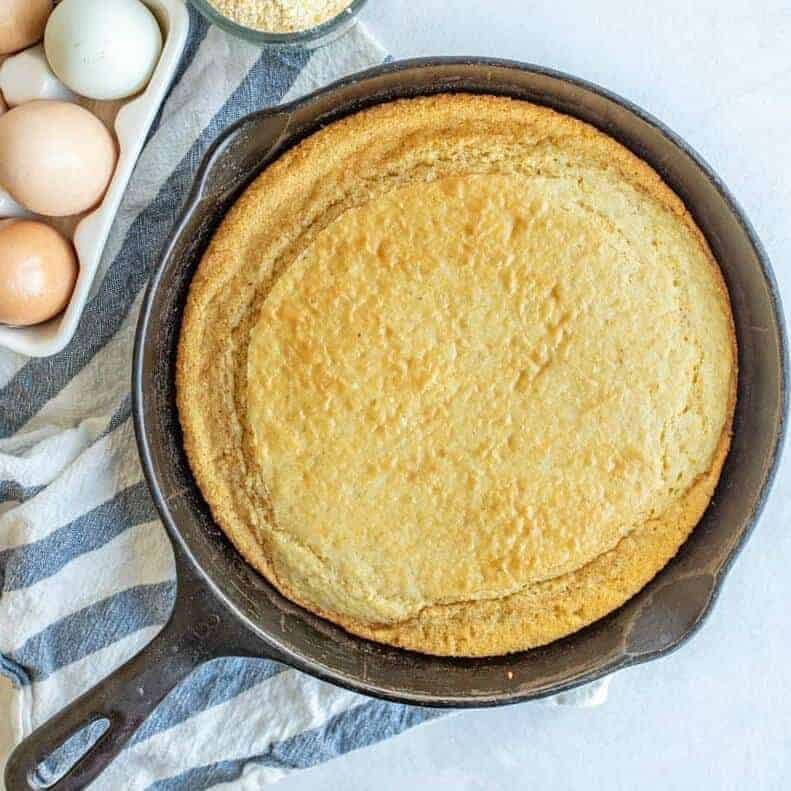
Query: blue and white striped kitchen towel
[{"x": 86, "y": 568}]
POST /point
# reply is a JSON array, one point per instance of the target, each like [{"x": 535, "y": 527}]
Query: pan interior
[{"x": 660, "y": 616}]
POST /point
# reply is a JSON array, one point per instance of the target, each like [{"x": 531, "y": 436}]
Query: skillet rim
[{"x": 269, "y": 644}]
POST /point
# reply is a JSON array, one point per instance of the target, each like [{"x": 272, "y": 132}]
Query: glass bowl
[{"x": 311, "y": 37}]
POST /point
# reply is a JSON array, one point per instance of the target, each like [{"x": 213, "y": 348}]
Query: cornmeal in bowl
[{"x": 457, "y": 373}]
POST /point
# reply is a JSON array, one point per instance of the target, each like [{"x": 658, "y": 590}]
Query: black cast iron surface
[{"x": 224, "y": 607}]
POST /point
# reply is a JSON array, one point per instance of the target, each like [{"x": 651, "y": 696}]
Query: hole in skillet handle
[{"x": 64, "y": 758}]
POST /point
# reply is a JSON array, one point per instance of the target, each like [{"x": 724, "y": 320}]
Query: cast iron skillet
[{"x": 223, "y": 607}]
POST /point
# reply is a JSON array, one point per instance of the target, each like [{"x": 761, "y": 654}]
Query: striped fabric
[{"x": 86, "y": 569}]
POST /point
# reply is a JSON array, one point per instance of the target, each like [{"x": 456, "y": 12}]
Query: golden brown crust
[{"x": 367, "y": 155}]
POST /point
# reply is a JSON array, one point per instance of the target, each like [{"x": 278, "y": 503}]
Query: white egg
[
  {"x": 27, "y": 76},
  {"x": 103, "y": 49}
]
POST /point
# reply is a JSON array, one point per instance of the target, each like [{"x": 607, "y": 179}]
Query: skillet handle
[{"x": 199, "y": 629}]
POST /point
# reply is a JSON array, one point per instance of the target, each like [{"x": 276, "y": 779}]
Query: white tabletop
[{"x": 716, "y": 714}]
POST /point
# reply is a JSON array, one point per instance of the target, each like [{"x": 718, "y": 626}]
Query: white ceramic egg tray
[{"x": 130, "y": 121}]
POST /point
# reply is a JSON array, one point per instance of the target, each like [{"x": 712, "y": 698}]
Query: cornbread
[{"x": 457, "y": 373}]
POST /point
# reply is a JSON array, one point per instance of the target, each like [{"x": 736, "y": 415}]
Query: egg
[
  {"x": 103, "y": 50},
  {"x": 22, "y": 23},
  {"x": 56, "y": 158},
  {"x": 26, "y": 76},
  {"x": 3, "y": 105},
  {"x": 38, "y": 270}
]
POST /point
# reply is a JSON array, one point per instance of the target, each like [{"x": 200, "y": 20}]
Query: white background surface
[{"x": 717, "y": 714}]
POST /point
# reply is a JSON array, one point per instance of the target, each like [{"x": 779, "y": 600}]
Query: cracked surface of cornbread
[{"x": 458, "y": 374}]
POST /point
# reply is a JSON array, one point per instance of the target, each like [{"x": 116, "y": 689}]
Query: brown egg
[
  {"x": 3, "y": 105},
  {"x": 22, "y": 23},
  {"x": 56, "y": 158},
  {"x": 38, "y": 269}
]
